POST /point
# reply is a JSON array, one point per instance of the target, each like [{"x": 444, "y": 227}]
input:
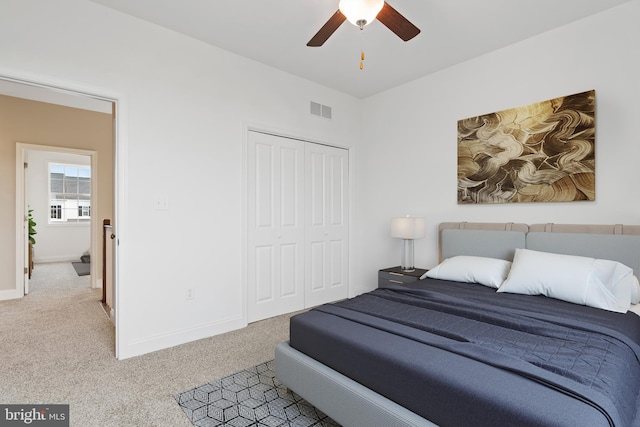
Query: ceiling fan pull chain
[{"x": 361, "y": 48}]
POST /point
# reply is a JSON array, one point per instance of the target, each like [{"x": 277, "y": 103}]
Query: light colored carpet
[{"x": 58, "y": 347}]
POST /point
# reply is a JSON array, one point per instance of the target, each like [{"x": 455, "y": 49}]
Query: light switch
[{"x": 161, "y": 203}]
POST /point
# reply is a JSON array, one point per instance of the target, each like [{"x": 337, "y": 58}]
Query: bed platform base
[{"x": 348, "y": 402}]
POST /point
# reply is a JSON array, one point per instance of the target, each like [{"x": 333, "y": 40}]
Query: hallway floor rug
[
  {"x": 82, "y": 268},
  {"x": 252, "y": 397}
]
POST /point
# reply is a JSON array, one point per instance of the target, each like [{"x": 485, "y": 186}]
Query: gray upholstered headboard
[
  {"x": 493, "y": 240},
  {"x": 499, "y": 240},
  {"x": 615, "y": 242}
]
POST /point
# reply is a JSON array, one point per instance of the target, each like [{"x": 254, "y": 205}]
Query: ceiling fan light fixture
[{"x": 360, "y": 12}]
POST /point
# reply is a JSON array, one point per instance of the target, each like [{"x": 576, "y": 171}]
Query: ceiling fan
[{"x": 361, "y": 13}]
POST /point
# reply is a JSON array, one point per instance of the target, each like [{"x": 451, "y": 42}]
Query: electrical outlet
[{"x": 191, "y": 293}]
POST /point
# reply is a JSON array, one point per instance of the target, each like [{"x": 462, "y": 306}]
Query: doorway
[
  {"x": 23, "y": 90},
  {"x": 59, "y": 192}
]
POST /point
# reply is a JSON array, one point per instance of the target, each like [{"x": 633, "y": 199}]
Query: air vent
[{"x": 320, "y": 110}]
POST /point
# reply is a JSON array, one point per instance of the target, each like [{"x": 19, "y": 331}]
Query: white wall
[
  {"x": 54, "y": 242},
  {"x": 184, "y": 111},
  {"x": 410, "y": 164}
]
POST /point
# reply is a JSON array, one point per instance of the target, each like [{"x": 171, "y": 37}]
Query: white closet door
[
  {"x": 275, "y": 233},
  {"x": 327, "y": 224}
]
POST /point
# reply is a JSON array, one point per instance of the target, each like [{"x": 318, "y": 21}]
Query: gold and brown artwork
[{"x": 543, "y": 152}]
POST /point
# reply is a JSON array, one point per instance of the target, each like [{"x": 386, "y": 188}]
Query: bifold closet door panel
[
  {"x": 327, "y": 219},
  {"x": 275, "y": 232}
]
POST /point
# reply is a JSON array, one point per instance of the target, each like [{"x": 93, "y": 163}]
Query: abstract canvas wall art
[{"x": 543, "y": 152}]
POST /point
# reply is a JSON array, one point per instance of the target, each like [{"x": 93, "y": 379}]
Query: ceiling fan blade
[
  {"x": 327, "y": 29},
  {"x": 397, "y": 23}
]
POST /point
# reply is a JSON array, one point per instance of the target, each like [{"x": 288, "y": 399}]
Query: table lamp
[{"x": 408, "y": 228}]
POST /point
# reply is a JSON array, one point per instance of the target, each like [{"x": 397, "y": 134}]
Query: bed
[{"x": 445, "y": 352}]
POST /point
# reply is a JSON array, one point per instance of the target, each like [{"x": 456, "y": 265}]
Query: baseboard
[
  {"x": 109, "y": 312},
  {"x": 10, "y": 294},
  {"x": 142, "y": 346},
  {"x": 59, "y": 258}
]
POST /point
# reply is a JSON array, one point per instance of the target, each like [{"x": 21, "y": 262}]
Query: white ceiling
[{"x": 275, "y": 32}]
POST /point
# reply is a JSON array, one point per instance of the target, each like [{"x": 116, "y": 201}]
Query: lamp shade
[
  {"x": 408, "y": 227},
  {"x": 360, "y": 10}
]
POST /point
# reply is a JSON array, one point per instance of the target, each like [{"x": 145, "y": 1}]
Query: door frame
[
  {"x": 22, "y": 151},
  {"x": 261, "y": 128},
  {"x": 120, "y": 129}
]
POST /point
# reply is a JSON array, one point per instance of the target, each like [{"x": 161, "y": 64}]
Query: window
[
  {"x": 69, "y": 193},
  {"x": 56, "y": 211}
]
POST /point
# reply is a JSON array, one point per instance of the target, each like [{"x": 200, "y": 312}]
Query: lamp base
[{"x": 407, "y": 256}]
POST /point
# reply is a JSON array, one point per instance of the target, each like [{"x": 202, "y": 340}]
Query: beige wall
[{"x": 31, "y": 122}]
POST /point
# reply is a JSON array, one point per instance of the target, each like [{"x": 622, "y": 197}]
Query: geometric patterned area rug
[{"x": 253, "y": 397}]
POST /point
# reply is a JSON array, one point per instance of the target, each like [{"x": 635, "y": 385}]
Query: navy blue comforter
[{"x": 462, "y": 354}]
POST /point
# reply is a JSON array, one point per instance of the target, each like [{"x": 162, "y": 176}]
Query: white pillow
[
  {"x": 471, "y": 269},
  {"x": 618, "y": 278},
  {"x": 604, "y": 284},
  {"x": 635, "y": 291}
]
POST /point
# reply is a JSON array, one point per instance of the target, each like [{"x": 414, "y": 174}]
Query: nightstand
[{"x": 395, "y": 276}]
